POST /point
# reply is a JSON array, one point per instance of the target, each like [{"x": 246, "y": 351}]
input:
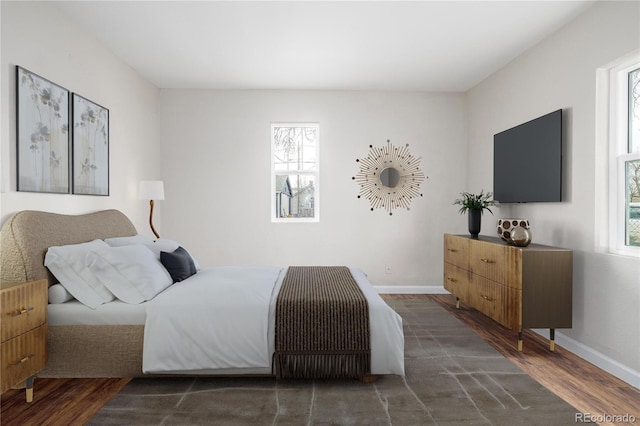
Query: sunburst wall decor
[{"x": 389, "y": 177}]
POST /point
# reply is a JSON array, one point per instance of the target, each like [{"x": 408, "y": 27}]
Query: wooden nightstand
[{"x": 23, "y": 331}]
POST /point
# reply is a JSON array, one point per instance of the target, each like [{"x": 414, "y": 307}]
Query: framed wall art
[
  {"x": 90, "y": 147},
  {"x": 42, "y": 134}
]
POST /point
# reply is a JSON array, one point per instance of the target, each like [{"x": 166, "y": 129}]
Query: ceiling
[{"x": 320, "y": 45}]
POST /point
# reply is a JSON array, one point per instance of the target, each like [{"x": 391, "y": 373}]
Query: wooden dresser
[
  {"x": 519, "y": 287},
  {"x": 23, "y": 328}
]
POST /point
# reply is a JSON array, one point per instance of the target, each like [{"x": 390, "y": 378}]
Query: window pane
[
  {"x": 632, "y": 173},
  {"x": 295, "y": 195},
  {"x": 634, "y": 111},
  {"x": 295, "y": 148}
]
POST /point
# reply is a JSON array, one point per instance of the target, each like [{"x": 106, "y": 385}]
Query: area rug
[{"x": 452, "y": 377}]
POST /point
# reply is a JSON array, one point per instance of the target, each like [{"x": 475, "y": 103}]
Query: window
[
  {"x": 632, "y": 162},
  {"x": 624, "y": 154},
  {"x": 294, "y": 172}
]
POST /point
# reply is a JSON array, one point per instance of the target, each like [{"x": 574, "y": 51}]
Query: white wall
[
  {"x": 561, "y": 73},
  {"x": 216, "y": 165},
  {"x": 36, "y": 36}
]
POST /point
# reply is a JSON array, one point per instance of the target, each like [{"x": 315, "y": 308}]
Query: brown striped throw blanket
[{"x": 322, "y": 325}]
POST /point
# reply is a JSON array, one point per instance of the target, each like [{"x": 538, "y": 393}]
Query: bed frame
[{"x": 73, "y": 350}]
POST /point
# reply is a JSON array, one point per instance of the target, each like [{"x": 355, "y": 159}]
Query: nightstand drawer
[
  {"x": 22, "y": 357},
  {"x": 23, "y": 308}
]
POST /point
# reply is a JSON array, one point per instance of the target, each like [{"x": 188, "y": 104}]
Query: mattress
[{"x": 112, "y": 313}]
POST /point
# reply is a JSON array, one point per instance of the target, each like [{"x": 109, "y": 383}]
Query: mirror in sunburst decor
[{"x": 389, "y": 177}]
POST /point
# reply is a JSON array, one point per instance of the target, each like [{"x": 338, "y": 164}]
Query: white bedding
[
  {"x": 215, "y": 319},
  {"x": 244, "y": 345},
  {"x": 387, "y": 335}
]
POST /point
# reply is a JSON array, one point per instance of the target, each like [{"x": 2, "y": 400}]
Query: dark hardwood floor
[
  {"x": 581, "y": 384},
  {"x": 58, "y": 401}
]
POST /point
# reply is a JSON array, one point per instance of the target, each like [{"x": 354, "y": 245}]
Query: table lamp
[{"x": 151, "y": 190}]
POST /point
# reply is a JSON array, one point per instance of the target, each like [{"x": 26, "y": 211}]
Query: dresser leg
[
  {"x": 552, "y": 339},
  {"x": 520, "y": 341},
  {"x": 29, "y": 389}
]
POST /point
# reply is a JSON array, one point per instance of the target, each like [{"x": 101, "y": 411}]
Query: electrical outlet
[{"x": 387, "y": 269}]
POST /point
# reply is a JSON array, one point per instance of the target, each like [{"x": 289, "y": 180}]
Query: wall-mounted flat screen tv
[{"x": 527, "y": 161}]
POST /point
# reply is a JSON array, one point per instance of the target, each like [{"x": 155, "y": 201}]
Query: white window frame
[
  {"x": 315, "y": 173},
  {"x": 619, "y": 154}
]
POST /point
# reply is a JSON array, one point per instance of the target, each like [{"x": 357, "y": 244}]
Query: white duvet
[{"x": 221, "y": 320}]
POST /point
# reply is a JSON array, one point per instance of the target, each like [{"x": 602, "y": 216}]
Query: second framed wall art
[{"x": 90, "y": 147}]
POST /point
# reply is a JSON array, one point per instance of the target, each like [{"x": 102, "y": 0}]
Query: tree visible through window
[
  {"x": 295, "y": 174},
  {"x": 632, "y": 163}
]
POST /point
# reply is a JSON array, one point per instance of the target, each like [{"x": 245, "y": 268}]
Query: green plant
[{"x": 480, "y": 202}]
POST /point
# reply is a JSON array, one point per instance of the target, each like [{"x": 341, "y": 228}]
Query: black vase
[{"x": 475, "y": 217}]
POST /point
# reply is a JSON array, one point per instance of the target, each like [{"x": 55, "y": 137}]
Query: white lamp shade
[{"x": 151, "y": 190}]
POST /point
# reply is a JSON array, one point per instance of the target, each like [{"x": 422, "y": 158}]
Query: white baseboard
[
  {"x": 410, "y": 289},
  {"x": 596, "y": 358}
]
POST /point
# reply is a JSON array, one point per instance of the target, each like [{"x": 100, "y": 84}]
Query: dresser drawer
[
  {"x": 23, "y": 308},
  {"x": 456, "y": 281},
  {"x": 499, "y": 263},
  {"x": 502, "y": 304},
  {"x": 23, "y": 356},
  {"x": 456, "y": 250}
]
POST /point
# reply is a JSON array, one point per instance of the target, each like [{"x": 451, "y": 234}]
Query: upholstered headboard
[{"x": 26, "y": 236}]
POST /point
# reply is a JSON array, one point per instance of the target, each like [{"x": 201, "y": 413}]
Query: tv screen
[{"x": 527, "y": 161}]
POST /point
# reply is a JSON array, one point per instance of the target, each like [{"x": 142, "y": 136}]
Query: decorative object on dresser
[
  {"x": 151, "y": 190},
  {"x": 521, "y": 236},
  {"x": 23, "y": 326},
  {"x": 475, "y": 205},
  {"x": 389, "y": 177},
  {"x": 519, "y": 287},
  {"x": 515, "y": 231}
]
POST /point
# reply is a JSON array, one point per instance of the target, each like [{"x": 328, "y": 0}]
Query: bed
[{"x": 113, "y": 339}]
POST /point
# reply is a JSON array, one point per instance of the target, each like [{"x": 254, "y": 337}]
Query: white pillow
[
  {"x": 127, "y": 241},
  {"x": 58, "y": 294},
  {"x": 67, "y": 264},
  {"x": 161, "y": 244},
  {"x": 132, "y": 273}
]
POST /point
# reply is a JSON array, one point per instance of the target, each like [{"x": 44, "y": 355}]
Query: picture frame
[
  {"x": 90, "y": 162},
  {"x": 42, "y": 134}
]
